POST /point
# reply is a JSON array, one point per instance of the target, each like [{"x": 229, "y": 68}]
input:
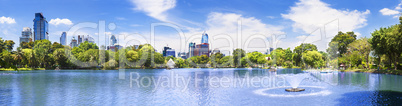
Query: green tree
[
  {"x": 215, "y": 59},
  {"x": 9, "y": 44},
  {"x": 29, "y": 59},
  {"x": 362, "y": 46},
  {"x": 237, "y": 55},
  {"x": 339, "y": 43},
  {"x": 132, "y": 56},
  {"x": 388, "y": 41},
  {"x": 170, "y": 57},
  {"x": 278, "y": 56},
  {"x": 7, "y": 57},
  {"x": 55, "y": 46},
  {"x": 226, "y": 61},
  {"x": 2, "y": 45},
  {"x": 313, "y": 59},
  {"x": 203, "y": 59},
  {"x": 193, "y": 61},
  {"x": 60, "y": 57},
  {"x": 18, "y": 57},
  {"x": 146, "y": 53},
  {"x": 302, "y": 48},
  {"x": 41, "y": 51},
  {"x": 26, "y": 45},
  {"x": 180, "y": 63}
]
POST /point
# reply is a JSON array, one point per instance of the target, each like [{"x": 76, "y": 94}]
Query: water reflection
[{"x": 95, "y": 87}]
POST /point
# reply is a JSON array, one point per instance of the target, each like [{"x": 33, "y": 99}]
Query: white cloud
[
  {"x": 271, "y": 17},
  {"x": 226, "y": 24},
  {"x": 392, "y": 12},
  {"x": 399, "y": 7},
  {"x": 322, "y": 22},
  {"x": 154, "y": 8},
  {"x": 7, "y": 20},
  {"x": 59, "y": 21},
  {"x": 302, "y": 37},
  {"x": 387, "y": 11}
]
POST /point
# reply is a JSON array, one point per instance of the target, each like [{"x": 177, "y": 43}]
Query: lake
[{"x": 196, "y": 87}]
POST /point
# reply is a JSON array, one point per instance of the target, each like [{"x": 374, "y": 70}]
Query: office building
[
  {"x": 216, "y": 50},
  {"x": 89, "y": 39},
  {"x": 164, "y": 50},
  {"x": 113, "y": 44},
  {"x": 63, "y": 38},
  {"x": 269, "y": 50},
  {"x": 73, "y": 43},
  {"x": 191, "y": 48},
  {"x": 182, "y": 55},
  {"x": 204, "y": 38},
  {"x": 113, "y": 40},
  {"x": 26, "y": 35},
  {"x": 40, "y": 27},
  {"x": 80, "y": 39},
  {"x": 201, "y": 49},
  {"x": 171, "y": 52},
  {"x": 114, "y": 48}
]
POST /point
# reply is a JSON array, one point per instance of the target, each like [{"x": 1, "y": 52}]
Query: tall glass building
[
  {"x": 40, "y": 27},
  {"x": 113, "y": 40},
  {"x": 63, "y": 38},
  {"x": 204, "y": 38},
  {"x": 26, "y": 34},
  {"x": 191, "y": 47},
  {"x": 171, "y": 52}
]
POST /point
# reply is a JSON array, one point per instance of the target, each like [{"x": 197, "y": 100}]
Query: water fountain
[
  {"x": 170, "y": 64},
  {"x": 294, "y": 80}
]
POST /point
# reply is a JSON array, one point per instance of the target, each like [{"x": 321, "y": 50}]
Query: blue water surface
[{"x": 196, "y": 87}]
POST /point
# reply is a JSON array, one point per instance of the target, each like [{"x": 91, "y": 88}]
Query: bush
[
  {"x": 111, "y": 64},
  {"x": 287, "y": 64},
  {"x": 360, "y": 66},
  {"x": 373, "y": 66}
]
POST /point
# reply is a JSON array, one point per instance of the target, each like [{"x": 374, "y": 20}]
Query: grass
[{"x": 21, "y": 69}]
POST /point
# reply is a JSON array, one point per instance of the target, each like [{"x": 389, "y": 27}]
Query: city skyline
[{"x": 135, "y": 17}]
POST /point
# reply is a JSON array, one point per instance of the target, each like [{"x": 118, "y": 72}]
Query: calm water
[{"x": 195, "y": 87}]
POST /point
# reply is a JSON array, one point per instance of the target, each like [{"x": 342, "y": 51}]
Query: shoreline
[{"x": 392, "y": 72}]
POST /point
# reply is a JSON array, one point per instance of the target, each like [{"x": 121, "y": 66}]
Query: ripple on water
[{"x": 280, "y": 92}]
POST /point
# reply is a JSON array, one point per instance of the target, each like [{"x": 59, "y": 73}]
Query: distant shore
[
  {"x": 21, "y": 69},
  {"x": 394, "y": 72}
]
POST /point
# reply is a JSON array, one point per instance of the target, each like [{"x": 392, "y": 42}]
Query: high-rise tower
[{"x": 40, "y": 27}]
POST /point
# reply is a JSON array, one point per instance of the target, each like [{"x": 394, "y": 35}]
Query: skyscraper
[
  {"x": 171, "y": 52},
  {"x": 204, "y": 38},
  {"x": 73, "y": 43},
  {"x": 164, "y": 52},
  {"x": 63, "y": 38},
  {"x": 191, "y": 47},
  {"x": 26, "y": 34},
  {"x": 80, "y": 39},
  {"x": 40, "y": 27},
  {"x": 89, "y": 39},
  {"x": 113, "y": 44},
  {"x": 113, "y": 40}
]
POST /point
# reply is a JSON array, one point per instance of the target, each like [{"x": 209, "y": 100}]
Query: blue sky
[{"x": 296, "y": 20}]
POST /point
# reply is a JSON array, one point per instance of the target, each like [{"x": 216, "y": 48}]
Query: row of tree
[{"x": 382, "y": 50}]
